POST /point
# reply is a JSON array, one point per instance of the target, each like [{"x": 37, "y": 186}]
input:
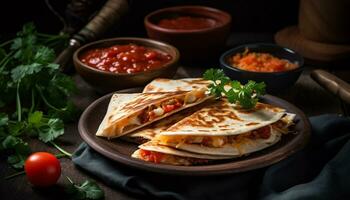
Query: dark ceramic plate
[{"x": 120, "y": 151}]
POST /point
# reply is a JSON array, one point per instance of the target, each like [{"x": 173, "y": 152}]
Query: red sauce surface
[
  {"x": 186, "y": 22},
  {"x": 129, "y": 58}
]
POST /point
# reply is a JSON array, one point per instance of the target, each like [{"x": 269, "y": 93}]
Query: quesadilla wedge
[
  {"x": 153, "y": 152},
  {"x": 128, "y": 112},
  {"x": 223, "y": 129}
]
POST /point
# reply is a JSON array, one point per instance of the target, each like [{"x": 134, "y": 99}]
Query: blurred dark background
[{"x": 249, "y": 16}]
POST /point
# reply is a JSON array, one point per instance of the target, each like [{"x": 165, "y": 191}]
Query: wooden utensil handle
[
  {"x": 333, "y": 84},
  {"x": 109, "y": 15}
]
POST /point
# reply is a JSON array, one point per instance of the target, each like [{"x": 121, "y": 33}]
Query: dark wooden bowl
[
  {"x": 194, "y": 44},
  {"x": 275, "y": 81},
  {"x": 105, "y": 82}
]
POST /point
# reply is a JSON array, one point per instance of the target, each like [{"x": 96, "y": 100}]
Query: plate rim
[{"x": 201, "y": 170}]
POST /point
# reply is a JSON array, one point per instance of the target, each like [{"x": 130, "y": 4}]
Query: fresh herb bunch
[
  {"x": 245, "y": 95},
  {"x": 34, "y": 98}
]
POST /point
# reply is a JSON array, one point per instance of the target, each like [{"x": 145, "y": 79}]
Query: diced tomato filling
[
  {"x": 144, "y": 116},
  {"x": 171, "y": 105},
  {"x": 264, "y": 133},
  {"x": 219, "y": 141},
  {"x": 151, "y": 156},
  {"x": 157, "y": 157},
  {"x": 168, "y": 106}
]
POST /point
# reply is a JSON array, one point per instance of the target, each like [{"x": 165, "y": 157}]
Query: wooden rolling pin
[
  {"x": 333, "y": 84},
  {"x": 108, "y": 16}
]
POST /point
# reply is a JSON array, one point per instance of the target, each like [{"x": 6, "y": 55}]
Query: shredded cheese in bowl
[{"x": 260, "y": 62}]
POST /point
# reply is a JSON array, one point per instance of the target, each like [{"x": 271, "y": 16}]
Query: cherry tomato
[{"x": 42, "y": 169}]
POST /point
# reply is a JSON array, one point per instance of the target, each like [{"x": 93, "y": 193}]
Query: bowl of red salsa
[
  {"x": 119, "y": 63},
  {"x": 198, "y": 32},
  {"x": 277, "y": 66}
]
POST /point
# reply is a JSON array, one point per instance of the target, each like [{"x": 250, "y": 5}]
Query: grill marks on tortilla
[
  {"x": 259, "y": 106},
  {"x": 140, "y": 102},
  {"x": 209, "y": 116},
  {"x": 223, "y": 118},
  {"x": 251, "y": 124},
  {"x": 168, "y": 85},
  {"x": 195, "y": 81},
  {"x": 147, "y": 100},
  {"x": 154, "y": 129}
]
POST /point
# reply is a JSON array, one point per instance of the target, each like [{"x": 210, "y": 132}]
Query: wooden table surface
[{"x": 306, "y": 95}]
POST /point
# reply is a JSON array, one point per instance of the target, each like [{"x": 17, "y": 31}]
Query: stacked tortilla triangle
[{"x": 211, "y": 129}]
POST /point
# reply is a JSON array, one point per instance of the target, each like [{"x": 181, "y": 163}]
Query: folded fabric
[{"x": 319, "y": 171}]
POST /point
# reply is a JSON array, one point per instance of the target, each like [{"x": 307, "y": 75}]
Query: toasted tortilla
[
  {"x": 174, "y": 156},
  {"x": 152, "y": 146},
  {"x": 244, "y": 147},
  {"x": 149, "y": 132},
  {"x": 174, "y": 85},
  {"x": 123, "y": 110},
  {"x": 223, "y": 118}
]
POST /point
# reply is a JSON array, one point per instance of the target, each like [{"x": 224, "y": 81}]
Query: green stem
[
  {"x": 33, "y": 102},
  {"x": 70, "y": 180},
  {"x": 60, "y": 155},
  {"x": 14, "y": 175},
  {"x": 60, "y": 149},
  {"x": 6, "y": 43},
  {"x": 5, "y": 60},
  {"x": 47, "y": 35},
  {"x": 18, "y": 104},
  {"x": 47, "y": 102}
]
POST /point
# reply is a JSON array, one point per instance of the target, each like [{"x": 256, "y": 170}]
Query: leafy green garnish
[
  {"x": 87, "y": 190},
  {"x": 245, "y": 95},
  {"x": 40, "y": 91}
]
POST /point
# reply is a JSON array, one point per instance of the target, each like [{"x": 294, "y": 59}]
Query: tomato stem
[
  {"x": 14, "y": 175},
  {"x": 60, "y": 149}
]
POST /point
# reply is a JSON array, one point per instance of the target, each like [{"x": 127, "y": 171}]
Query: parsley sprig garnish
[{"x": 245, "y": 95}]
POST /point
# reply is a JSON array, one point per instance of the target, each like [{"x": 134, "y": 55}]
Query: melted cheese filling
[
  {"x": 157, "y": 157},
  {"x": 219, "y": 141}
]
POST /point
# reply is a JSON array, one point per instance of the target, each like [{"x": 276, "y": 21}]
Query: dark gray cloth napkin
[{"x": 319, "y": 171}]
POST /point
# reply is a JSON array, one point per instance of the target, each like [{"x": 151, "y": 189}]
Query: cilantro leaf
[
  {"x": 3, "y": 119},
  {"x": 246, "y": 95},
  {"x": 35, "y": 118},
  {"x": 65, "y": 84},
  {"x": 20, "y": 148},
  {"x": 28, "y": 74},
  {"x": 17, "y": 128},
  {"x": 51, "y": 130},
  {"x": 87, "y": 190},
  {"x": 21, "y": 71},
  {"x": 17, "y": 160},
  {"x": 44, "y": 55}
]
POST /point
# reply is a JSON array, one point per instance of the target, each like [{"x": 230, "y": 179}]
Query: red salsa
[
  {"x": 186, "y": 23},
  {"x": 129, "y": 58}
]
